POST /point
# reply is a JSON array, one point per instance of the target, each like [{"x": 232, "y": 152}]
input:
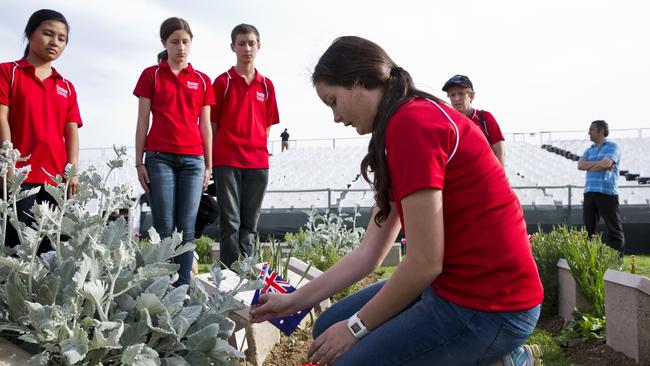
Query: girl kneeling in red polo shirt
[
  {"x": 179, "y": 145},
  {"x": 39, "y": 112},
  {"x": 468, "y": 291}
]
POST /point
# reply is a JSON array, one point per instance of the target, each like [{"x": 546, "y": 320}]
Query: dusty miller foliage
[{"x": 100, "y": 298}]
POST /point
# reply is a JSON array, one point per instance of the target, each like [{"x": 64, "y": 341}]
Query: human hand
[
  {"x": 273, "y": 306},
  {"x": 143, "y": 177},
  {"x": 206, "y": 178},
  {"x": 333, "y": 343},
  {"x": 73, "y": 186}
]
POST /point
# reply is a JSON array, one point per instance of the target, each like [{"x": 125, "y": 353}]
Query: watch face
[{"x": 356, "y": 328}]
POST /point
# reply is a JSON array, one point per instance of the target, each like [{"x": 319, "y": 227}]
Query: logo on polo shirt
[
  {"x": 62, "y": 91},
  {"x": 260, "y": 96},
  {"x": 192, "y": 85}
]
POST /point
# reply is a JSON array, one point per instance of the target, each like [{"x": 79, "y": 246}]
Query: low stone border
[
  {"x": 627, "y": 310},
  {"x": 569, "y": 295}
]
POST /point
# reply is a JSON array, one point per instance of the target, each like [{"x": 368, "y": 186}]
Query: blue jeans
[
  {"x": 176, "y": 184},
  {"x": 240, "y": 193},
  {"x": 431, "y": 331}
]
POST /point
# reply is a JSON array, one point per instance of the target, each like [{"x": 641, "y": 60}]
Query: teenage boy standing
[
  {"x": 460, "y": 91},
  {"x": 242, "y": 116}
]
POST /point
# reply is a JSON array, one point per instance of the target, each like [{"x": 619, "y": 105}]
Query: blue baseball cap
[{"x": 460, "y": 80}]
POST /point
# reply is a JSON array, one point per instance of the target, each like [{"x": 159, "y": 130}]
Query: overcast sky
[{"x": 536, "y": 65}]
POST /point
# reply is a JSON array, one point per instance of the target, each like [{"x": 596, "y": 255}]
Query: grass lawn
[
  {"x": 551, "y": 352},
  {"x": 641, "y": 264},
  {"x": 204, "y": 268}
]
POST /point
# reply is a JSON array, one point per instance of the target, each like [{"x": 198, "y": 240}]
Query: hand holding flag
[{"x": 273, "y": 283}]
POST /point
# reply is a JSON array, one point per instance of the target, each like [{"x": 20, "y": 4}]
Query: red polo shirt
[
  {"x": 242, "y": 113},
  {"x": 494, "y": 132},
  {"x": 176, "y": 103},
  {"x": 487, "y": 264},
  {"x": 38, "y": 113}
]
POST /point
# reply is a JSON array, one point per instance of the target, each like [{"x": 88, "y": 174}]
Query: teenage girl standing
[
  {"x": 179, "y": 145},
  {"x": 39, "y": 112}
]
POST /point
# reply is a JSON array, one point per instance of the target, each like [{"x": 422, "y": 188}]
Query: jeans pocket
[{"x": 507, "y": 339}]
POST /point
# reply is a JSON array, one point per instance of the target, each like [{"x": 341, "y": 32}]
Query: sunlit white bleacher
[{"x": 311, "y": 169}]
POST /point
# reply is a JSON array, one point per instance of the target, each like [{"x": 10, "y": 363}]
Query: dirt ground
[{"x": 589, "y": 353}]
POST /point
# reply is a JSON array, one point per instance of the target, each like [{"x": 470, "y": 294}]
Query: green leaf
[
  {"x": 140, "y": 355},
  {"x": 205, "y": 339},
  {"x": 107, "y": 335},
  {"x": 41, "y": 359},
  {"x": 167, "y": 330},
  {"x": 174, "y": 361},
  {"x": 197, "y": 359},
  {"x": 158, "y": 287},
  {"x": 15, "y": 299},
  {"x": 150, "y": 302},
  {"x": 135, "y": 333},
  {"x": 176, "y": 296},
  {"x": 28, "y": 338},
  {"x": 74, "y": 349}
]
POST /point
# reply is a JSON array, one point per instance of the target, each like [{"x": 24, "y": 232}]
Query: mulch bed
[{"x": 588, "y": 353}]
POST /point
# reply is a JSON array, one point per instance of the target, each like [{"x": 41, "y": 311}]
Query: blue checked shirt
[{"x": 605, "y": 181}]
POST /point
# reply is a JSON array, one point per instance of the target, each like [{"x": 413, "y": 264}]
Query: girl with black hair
[
  {"x": 39, "y": 112},
  {"x": 468, "y": 291}
]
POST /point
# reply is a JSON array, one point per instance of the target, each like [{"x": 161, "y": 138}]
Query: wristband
[{"x": 137, "y": 165}]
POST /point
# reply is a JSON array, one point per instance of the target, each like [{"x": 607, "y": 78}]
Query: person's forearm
[
  {"x": 499, "y": 151},
  {"x": 72, "y": 143},
  {"x": 594, "y": 166},
  {"x": 206, "y": 134},
  {"x": 5, "y": 130},
  {"x": 142, "y": 127},
  {"x": 354, "y": 266}
]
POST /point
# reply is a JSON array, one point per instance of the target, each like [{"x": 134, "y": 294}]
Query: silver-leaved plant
[{"x": 100, "y": 297}]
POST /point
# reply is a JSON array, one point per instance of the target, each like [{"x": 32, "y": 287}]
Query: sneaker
[{"x": 526, "y": 355}]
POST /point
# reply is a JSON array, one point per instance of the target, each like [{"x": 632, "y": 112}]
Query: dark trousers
[
  {"x": 239, "y": 195},
  {"x": 24, "y": 208},
  {"x": 597, "y": 205}
]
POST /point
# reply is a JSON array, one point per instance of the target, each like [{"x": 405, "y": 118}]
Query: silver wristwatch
[{"x": 357, "y": 327}]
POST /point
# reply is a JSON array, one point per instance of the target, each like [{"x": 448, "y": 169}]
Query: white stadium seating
[{"x": 538, "y": 177}]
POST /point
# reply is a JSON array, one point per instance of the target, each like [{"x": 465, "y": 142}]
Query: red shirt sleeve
[
  {"x": 5, "y": 83},
  {"x": 418, "y": 145},
  {"x": 493, "y": 128},
  {"x": 73, "y": 114},
  {"x": 208, "y": 96},
  {"x": 272, "y": 114},
  {"x": 145, "y": 85},
  {"x": 218, "y": 92}
]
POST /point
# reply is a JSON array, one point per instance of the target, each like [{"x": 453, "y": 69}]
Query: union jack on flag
[{"x": 275, "y": 284}]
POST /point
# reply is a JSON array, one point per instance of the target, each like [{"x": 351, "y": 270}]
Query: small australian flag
[{"x": 275, "y": 284}]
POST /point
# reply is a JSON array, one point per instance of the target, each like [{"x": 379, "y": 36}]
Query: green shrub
[
  {"x": 589, "y": 259},
  {"x": 547, "y": 250},
  {"x": 326, "y": 239},
  {"x": 203, "y": 247},
  {"x": 295, "y": 240},
  {"x": 101, "y": 298},
  {"x": 584, "y": 327},
  {"x": 322, "y": 256}
]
